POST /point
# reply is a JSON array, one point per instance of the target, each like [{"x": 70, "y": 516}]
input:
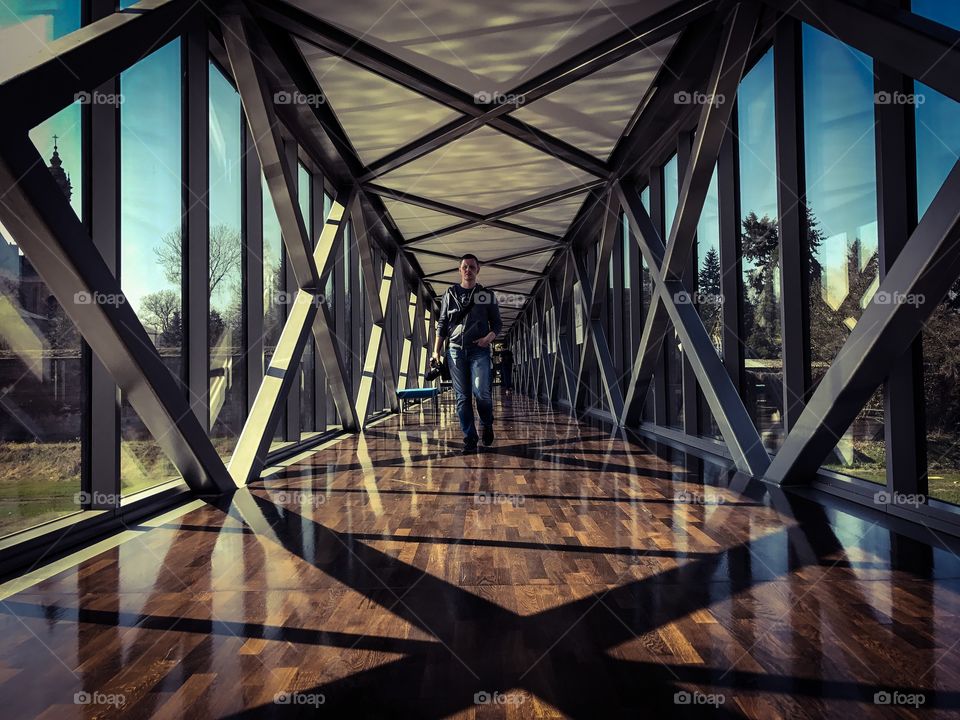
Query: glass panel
[
  {"x": 274, "y": 297},
  {"x": 307, "y": 362},
  {"x": 150, "y": 243},
  {"x": 629, "y": 335},
  {"x": 671, "y": 194},
  {"x": 760, "y": 254},
  {"x": 938, "y": 148},
  {"x": 672, "y": 349},
  {"x": 646, "y": 290},
  {"x": 226, "y": 321},
  {"x": 709, "y": 299},
  {"x": 41, "y": 369},
  {"x": 838, "y": 103},
  {"x": 330, "y": 297},
  {"x": 945, "y": 13}
]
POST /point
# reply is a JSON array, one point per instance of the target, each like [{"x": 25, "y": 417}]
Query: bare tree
[
  {"x": 224, "y": 254},
  {"x": 162, "y": 310}
]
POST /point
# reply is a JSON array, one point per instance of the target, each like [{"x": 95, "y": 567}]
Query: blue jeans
[{"x": 470, "y": 368}]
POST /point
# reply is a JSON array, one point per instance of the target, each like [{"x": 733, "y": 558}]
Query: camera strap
[{"x": 462, "y": 313}]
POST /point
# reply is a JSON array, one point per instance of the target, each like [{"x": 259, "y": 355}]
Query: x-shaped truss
[
  {"x": 308, "y": 310},
  {"x": 378, "y": 294},
  {"x": 671, "y": 301},
  {"x": 595, "y": 336}
]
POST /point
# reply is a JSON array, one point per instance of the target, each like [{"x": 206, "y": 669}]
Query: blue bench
[{"x": 409, "y": 396}]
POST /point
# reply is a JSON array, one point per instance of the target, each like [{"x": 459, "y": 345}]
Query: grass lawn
[{"x": 40, "y": 482}]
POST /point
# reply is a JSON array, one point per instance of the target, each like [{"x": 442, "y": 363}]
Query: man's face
[{"x": 469, "y": 270}]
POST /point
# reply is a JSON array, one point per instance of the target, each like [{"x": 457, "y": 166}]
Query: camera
[{"x": 437, "y": 369}]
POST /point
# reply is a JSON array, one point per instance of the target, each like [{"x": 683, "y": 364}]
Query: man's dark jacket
[{"x": 483, "y": 317}]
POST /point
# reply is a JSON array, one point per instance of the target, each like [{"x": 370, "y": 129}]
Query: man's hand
[
  {"x": 486, "y": 340},
  {"x": 436, "y": 357}
]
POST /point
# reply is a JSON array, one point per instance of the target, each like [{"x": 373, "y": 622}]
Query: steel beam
[
  {"x": 256, "y": 98},
  {"x": 250, "y": 454},
  {"x": 904, "y": 427},
  {"x": 195, "y": 201},
  {"x": 100, "y": 129},
  {"x": 35, "y": 213}
]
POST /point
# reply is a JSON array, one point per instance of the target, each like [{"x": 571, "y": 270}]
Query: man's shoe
[
  {"x": 469, "y": 448},
  {"x": 488, "y": 435}
]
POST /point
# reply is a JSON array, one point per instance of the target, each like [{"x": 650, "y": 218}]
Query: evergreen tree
[{"x": 708, "y": 290}]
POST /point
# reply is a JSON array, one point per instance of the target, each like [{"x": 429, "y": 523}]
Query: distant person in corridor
[
  {"x": 506, "y": 369},
  {"x": 470, "y": 320}
]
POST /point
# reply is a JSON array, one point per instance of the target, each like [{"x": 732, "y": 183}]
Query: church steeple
[{"x": 56, "y": 169}]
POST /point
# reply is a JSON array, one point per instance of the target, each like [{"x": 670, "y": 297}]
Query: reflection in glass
[
  {"x": 227, "y": 358},
  {"x": 760, "y": 253},
  {"x": 151, "y": 238},
  {"x": 841, "y": 224},
  {"x": 41, "y": 371},
  {"x": 938, "y": 148}
]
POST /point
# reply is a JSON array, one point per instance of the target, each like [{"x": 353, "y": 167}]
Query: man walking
[{"x": 470, "y": 319}]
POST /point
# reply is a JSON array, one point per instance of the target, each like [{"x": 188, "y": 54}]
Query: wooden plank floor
[{"x": 562, "y": 573}]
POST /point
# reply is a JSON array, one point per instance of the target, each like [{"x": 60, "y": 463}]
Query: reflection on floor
[{"x": 563, "y": 572}]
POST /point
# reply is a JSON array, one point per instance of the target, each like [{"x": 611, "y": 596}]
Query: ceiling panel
[
  {"x": 432, "y": 264},
  {"x": 483, "y": 47},
  {"x": 377, "y": 114},
  {"x": 533, "y": 263},
  {"x": 485, "y": 242},
  {"x": 488, "y": 276},
  {"x": 553, "y": 218},
  {"x": 592, "y": 113},
  {"x": 483, "y": 172},
  {"x": 414, "y": 221},
  {"x": 522, "y": 287}
]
